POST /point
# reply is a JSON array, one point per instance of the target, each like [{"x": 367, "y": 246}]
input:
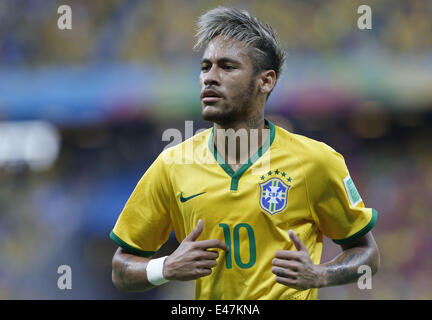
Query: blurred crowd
[{"x": 160, "y": 32}]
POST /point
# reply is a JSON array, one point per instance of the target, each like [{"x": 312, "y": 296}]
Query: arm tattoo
[{"x": 344, "y": 268}]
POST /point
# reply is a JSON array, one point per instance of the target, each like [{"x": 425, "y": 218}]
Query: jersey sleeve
[
  {"x": 338, "y": 208},
  {"x": 144, "y": 224}
]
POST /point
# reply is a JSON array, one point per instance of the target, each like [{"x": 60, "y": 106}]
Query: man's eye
[
  {"x": 228, "y": 67},
  {"x": 205, "y": 68}
]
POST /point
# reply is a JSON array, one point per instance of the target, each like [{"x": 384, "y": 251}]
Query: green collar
[{"x": 235, "y": 176}]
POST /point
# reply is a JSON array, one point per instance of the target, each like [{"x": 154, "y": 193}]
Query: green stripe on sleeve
[
  {"x": 362, "y": 232},
  {"x": 129, "y": 248}
]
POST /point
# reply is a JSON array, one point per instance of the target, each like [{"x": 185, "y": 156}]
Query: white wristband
[{"x": 155, "y": 271}]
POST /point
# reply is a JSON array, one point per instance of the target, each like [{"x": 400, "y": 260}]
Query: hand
[
  {"x": 192, "y": 259},
  {"x": 295, "y": 268}
]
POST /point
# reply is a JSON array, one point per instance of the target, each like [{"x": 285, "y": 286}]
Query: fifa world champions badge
[{"x": 274, "y": 195}]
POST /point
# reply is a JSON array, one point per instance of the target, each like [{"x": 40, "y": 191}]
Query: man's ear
[{"x": 267, "y": 81}]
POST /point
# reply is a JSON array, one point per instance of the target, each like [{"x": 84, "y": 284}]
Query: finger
[
  {"x": 203, "y": 272},
  {"x": 195, "y": 232},
  {"x": 288, "y": 255},
  {"x": 286, "y": 264},
  {"x": 205, "y": 255},
  {"x": 287, "y": 281},
  {"x": 209, "y": 255},
  {"x": 285, "y": 273},
  {"x": 206, "y": 264},
  {"x": 212, "y": 244},
  {"x": 296, "y": 240}
]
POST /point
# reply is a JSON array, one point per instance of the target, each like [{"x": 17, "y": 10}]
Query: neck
[
  {"x": 238, "y": 141},
  {"x": 253, "y": 122}
]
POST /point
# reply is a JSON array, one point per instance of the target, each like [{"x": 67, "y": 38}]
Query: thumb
[
  {"x": 195, "y": 232},
  {"x": 296, "y": 241}
]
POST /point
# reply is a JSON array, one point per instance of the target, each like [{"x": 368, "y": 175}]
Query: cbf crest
[{"x": 274, "y": 194}]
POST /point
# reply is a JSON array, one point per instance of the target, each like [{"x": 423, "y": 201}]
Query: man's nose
[{"x": 211, "y": 77}]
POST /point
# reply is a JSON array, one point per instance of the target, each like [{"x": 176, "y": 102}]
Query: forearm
[
  {"x": 344, "y": 268},
  {"x": 129, "y": 272}
]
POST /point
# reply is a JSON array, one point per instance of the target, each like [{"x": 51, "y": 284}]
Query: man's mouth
[
  {"x": 210, "y": 96},
  {"x": 211, "y": 99}
]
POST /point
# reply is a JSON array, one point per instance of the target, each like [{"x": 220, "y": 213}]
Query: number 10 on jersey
[{"x": 236, "y": 241}]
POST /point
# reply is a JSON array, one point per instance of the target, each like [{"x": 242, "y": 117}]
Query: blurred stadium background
[{"x": 82, "y": 113}]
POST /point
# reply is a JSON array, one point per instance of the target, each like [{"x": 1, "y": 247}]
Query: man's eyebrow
[{"x": 221, "y": 60}]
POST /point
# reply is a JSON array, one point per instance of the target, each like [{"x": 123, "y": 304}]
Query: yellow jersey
[{"x": 293, "y": 182}]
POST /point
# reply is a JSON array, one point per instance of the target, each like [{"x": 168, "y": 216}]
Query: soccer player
[{"x": 248, "y": 229}]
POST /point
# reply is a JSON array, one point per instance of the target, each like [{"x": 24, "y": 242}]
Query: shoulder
[
  {"x": 312, "y": 154},
  {"x": 306, "y": 146}
]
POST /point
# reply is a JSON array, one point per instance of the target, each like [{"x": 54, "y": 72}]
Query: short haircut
[{"x": 267, "y": 53}]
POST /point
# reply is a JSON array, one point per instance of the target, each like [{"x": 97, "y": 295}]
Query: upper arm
[
  {"x": 122, "y": 255},
  {"x": 129, "y": 271},
  {"x": 144, "y": 224},
  {"x": 337, "y": 207},
  {"x": 367, "y": 241}
]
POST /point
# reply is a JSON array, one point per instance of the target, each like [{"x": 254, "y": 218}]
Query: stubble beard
[{"x": 230, "y": 114}]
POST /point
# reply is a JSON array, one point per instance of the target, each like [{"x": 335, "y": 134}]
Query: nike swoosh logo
[{"x": 183, "y": 199}]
